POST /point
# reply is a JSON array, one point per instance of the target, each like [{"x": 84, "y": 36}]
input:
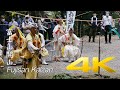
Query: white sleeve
[
  {"x": 44, "y": 27},
  {"x": 112, "y": 22},
  {"x": 91, "y": 20},
  {"x": 23, "y": 25},
  {"x": 1, "y": 46},
  {"x": 42, "y": 40},
  {"x": 30, "y": 45},
  {"x": 76, "y": 38},
  {"x": 103, "y": 21}
]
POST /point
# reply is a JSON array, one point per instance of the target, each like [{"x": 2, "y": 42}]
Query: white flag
[{"x": 70, "y": 19}]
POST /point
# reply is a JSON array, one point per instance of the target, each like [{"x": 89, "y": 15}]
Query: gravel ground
[{"x": 89, "y": 50}]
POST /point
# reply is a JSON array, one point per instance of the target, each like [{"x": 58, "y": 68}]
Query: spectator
[
  {"x": 19, "y": 21},
  {"x": 3, "y": 32},
  {"x": 47, "y": 23},
  {"x": 107, "y": 23},
  {"x": 52, "y": 27},
  {"x": 13, "y": 22},
  {"x": 119, "y": 26},
  {"x": 41, "y": 27},
  {"x": 93, "y": 29}
]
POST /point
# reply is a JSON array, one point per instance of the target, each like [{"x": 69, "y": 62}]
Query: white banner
[{"x": 70, "y": 19}]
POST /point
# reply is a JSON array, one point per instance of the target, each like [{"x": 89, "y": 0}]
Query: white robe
[
  {"x": 56, "y": 33},
  {"x": 71, "y": 49}
]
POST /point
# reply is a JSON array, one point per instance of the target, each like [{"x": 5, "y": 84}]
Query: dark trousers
[
  {"x": 1, "y": 39},
  {"x": 49, "y": 31},
  {"x": 107, "y": 29},
  {"x": 102, "y": 32},
  {"x": 92, "y": 33}
]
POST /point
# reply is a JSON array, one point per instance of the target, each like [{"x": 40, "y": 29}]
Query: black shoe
[
  {"x": 110, "y": 42},
  {"x": 105, "y": 42}
]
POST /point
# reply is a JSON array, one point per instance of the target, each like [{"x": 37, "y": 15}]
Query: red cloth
[{"x": 57, "y": 31}]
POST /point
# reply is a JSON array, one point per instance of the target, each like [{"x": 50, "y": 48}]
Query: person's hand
[
  {"x": 42, "y": 49},
  {"x": 63, "y": 32},
  {"x": 37, "y": 49}
]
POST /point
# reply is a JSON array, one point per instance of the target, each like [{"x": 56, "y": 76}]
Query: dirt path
[{"x": 89, "y": 50}]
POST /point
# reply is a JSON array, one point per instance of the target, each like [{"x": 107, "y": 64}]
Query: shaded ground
[{"x": 89, "y": 50}]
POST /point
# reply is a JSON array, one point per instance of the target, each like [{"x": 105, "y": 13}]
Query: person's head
[
  {"x": 27, "y": 17},
  {"x": 33, "y": 29},
  {"x": 13, "y": 19},
  {"x": 2, "y": 18},
  {"x": 18, "y": 16},
  {"x": 94, "y": 15},
  {"x": 107, "y": 13},
  {"x": 71, "y": 31},
  {"x": 60, "y": 22}
]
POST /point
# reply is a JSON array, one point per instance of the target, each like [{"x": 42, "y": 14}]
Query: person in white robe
[
  {"x": 57, "y": 33},
  {"x": 69, "y": 45}
]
